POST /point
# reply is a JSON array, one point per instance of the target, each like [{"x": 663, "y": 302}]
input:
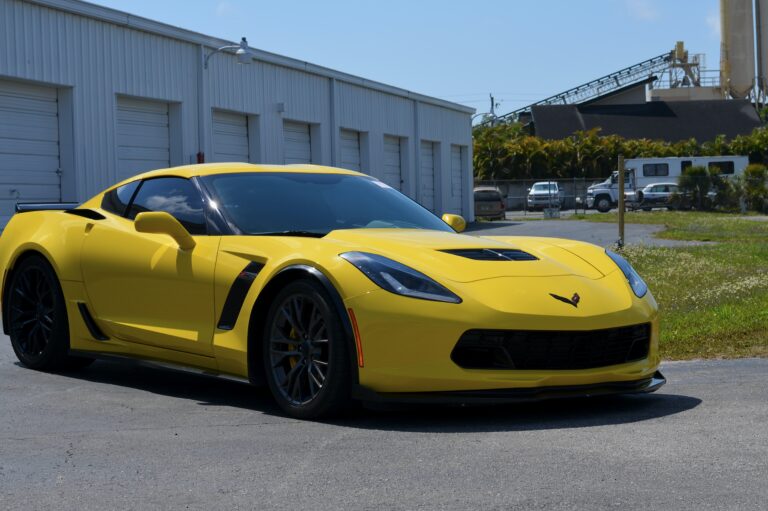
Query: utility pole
[
  {"x": 493, "y": 110},
  {"x": 620, "y": 243}
]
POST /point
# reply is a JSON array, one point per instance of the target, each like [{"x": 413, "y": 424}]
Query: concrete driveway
[{"x": 125, "y": 437}]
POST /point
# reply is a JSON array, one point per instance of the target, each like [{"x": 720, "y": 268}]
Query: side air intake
[{"x": 492, "y": 254}]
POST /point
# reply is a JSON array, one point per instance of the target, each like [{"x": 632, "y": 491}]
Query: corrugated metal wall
[{"x": 93, "y": 62}]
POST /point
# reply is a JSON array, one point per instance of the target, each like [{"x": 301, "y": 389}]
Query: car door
[{"x": 143, "y": 287}]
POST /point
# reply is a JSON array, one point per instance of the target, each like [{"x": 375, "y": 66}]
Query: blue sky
[{"x": 522, "y": 50}]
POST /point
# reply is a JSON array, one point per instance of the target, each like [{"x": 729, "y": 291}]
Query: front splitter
[{"x": 519, "y": 395}]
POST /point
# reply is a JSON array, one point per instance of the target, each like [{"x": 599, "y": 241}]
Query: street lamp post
[{"x": 244, "y": 56}]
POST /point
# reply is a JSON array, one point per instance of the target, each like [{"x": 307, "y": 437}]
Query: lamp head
[{"x": 244, "y": 53}]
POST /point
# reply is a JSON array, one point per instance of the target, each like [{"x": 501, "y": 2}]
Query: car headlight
[
  {"x": 638, "y": 285},
  {"x": 398, "y": 278}
]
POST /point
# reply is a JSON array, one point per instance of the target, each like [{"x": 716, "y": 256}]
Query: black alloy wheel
[
  {"x": 37, "y": 318},
  {"x": 305, "y": 352}
]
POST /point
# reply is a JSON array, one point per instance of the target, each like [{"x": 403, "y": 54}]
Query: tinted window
[
  {"x": 685, "y": 164},
  {"x": 261, "y": 202},
  {"x": 724, "y": 167},
  {"x": 174, "y": 195},
  {"x": 655, "y": 169},
  {"x": 115, "y": 201},
  {"x": 487, "y": 196}
]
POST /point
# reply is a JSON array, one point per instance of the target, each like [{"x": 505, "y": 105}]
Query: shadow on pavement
[{"x": 554, "y": 414}]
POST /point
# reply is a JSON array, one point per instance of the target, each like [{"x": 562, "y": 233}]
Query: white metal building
[{"x": 90, "y": 95}]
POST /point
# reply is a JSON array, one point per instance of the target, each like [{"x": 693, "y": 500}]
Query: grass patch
[{"x": 713, "y": 298}]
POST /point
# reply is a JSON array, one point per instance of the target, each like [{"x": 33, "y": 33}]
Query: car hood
[{"x": 425, "y": 251}]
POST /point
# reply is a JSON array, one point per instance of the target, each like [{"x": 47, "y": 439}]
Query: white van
[{"x": 642, "y": 172}]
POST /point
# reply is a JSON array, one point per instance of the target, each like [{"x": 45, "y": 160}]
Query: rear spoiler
[
  {"x": 23, "y": 207},
  {"x": 67, "y": 207}
]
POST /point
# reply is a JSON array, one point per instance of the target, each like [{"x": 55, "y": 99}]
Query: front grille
[
  {"x": 544, "y": 350},
  {"x": 492, "y": 254}
]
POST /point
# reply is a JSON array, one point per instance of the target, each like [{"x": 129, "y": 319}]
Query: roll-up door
[
  {"x": 230, "y": 136},
  {"x": 350, "y": 150},
  {"x": 29, "y": 146},
  {"x": 297, "y": 143},
  {"x": 427, "y": 175},
  {"x": 143, "y": 136},
  {"x": 456, "y": 180},
  {"x": 392, "y": 162}
]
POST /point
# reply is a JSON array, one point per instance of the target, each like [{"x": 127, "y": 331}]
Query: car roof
[
  {"x": 208, "y": 169},
  {"x": 486, "y": 189},
  {"x": 661, "y": 184},
  {"x": 545, "y": 183}
]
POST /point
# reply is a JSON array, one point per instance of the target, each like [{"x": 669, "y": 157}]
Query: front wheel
[
  {"x": 603, "y": 204},
  {"x": 37, "y": 318},
  {"x": 305, "y": 352}
]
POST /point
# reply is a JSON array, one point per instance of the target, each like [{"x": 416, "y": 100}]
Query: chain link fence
[
  {"x": 738, "y": 194},
  {"x": 570, "y": 194}
]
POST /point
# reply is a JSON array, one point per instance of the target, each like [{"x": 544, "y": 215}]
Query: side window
[
  {"x": 685, "y": 164},
  {"x": 116, "y": 200},
  {"x": 174, "y": 195},
  {"x": 655, "y": 169},
  {"x": 724, "y": 167}
]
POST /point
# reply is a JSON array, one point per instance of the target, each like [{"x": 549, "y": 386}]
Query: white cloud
[
  {"x": 644, "y": 10},
  {"x": 713, "y": 22},
  {"x": 224, "y": 8}
]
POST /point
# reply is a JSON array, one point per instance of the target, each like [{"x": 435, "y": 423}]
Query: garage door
[
  {"x": 392, "y": 170},
  {"x": 427, "y": 175},
  {"x": 350, "y": 150},
  {"x": 29, "y": 146},
  {"x": 143, "y": 138},
  {"x": 230, "y": 137},
  {"x": 456, "y": 180},
  {"x": 298, "y": 143}
]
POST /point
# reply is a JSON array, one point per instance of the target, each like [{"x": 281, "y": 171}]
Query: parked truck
[{"x": 641, "y": 172}]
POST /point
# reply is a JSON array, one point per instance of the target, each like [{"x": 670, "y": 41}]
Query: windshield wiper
[{"x": 305, "y": 234}]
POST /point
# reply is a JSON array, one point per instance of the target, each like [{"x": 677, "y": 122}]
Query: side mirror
[
  {"x": 160, "y": 222},
  {"x": 456, "y": 222}
]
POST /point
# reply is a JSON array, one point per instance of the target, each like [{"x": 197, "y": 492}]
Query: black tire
[
  {"x": 303, "y": 312},
  {"x": 37, "y": 318},
  {"x": 603, "y": 203}
]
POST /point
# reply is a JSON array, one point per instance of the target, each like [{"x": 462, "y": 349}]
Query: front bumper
[
  {"x": 407, "y": 343},
  {"x": 501, "y": 396}
]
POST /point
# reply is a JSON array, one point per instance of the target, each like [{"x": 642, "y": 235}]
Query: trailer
[{"x": 641, "y": 172}]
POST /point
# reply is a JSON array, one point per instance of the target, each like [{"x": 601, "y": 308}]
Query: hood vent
[{"x": 492, "y": 254}]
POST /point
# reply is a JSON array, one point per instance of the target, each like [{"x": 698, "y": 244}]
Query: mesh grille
[{"x": 543, "y": 350}]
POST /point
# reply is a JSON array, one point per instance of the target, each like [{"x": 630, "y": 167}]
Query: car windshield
[
  {"x": 293, "y": 203},
  {"x": 487, "y": 196},
  {"x": 544, "y": 187}
]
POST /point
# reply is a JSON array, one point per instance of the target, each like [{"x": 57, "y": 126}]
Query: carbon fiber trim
[{"x": 236, "y": 296}]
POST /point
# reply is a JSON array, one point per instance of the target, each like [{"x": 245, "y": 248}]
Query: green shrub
[
  {"x": 755, "y": 188},
  {"x": 696, "y": 181}
]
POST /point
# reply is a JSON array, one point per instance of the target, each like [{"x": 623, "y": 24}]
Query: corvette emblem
[{"x": 574, "y": 300}]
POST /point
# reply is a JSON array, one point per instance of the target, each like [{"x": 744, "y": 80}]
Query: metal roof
[{"x": 658, "y": 120}]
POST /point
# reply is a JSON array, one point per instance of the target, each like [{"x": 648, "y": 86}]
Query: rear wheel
[
  {"x": 37, "y": 318},
  {"x": 306, "y": 359}
]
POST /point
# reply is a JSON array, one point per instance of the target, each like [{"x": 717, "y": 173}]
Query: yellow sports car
[{"x": 326, "y": 284}]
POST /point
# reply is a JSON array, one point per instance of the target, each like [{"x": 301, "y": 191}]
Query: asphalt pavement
[
  {"x": 602, "y": 234},
  {"x": 119, "y": 436}
]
